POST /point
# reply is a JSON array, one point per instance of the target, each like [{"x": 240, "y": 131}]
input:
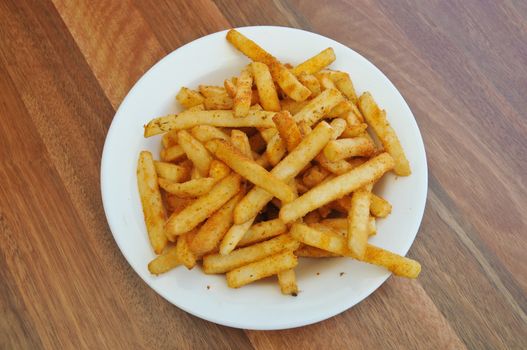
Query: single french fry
[
  {"x": 307, "y": 251},
  {"x": 218, "y": 102},
  {"x": 218, "y": 170},
  {"x": 212, "y": 231},
  {"x": 355, "y": 130},
  {"x": 204, "y": 133},
  {"x": 379, "y": 207},
  {"x": 316, "y": 63},
  {"x": 169, "y": 139},
  {"x": 336, "y": 188},
  {"x": 189, "y": 119},
  {"x": 338, "y": 125},
  {"x": 171, "y": 172},
  {"x": 242, "y": 100},
  {"x": 358, "y": 221},
  {"x": 288, "y": 130},
  {"x": 343, "y": 82},
  {"x": 266, "y": 88},
  {"x": 153, "y": 209},
  {"x": 260, "y": 269},
  {"x": 290, "y": 84},
  {"x": 399, "y": 265},
  {"x": 211, "y": 90},
  {"x": 262, "y": 231},
  {"x": 314, "y": 176},
  {"x": 376, "y": 118},
  {"x": 286, "y": 170},
  {"x": 322, "y": 239},
  {"x": 172, "y": 154},
  {"x": 287, "y": 282},
  {"x": 258, "y": 144},
  {"x": 230, "y": 87},
  {"x": 217, "y": 263},
  {"x": 240, "y": 140},
  {"x": 164, "y": 262},
  {"x": 343, "y": 107},
  {"x": 346, "y": 148},
  {"x": 318, "y": 107},
  {"x": 292, "y": 106},
  {"x": 233, "y": 236},
  {"x": 203, "y": 207},
  {"x": 311, "y": 83},
  {"x": 191, "y": 188},
  {"x": 275, "y": 150},
  {"x": 338, "y": 168},
  {"x": 195, "y": 151},
  {"x": 189, "y": 98},
  {"x": 175, "y": 204},
  {"x": 183, "y": 252},
  {"x": 250, "y": 170}
]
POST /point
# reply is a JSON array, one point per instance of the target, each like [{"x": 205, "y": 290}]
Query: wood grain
[{"x": 66, "y": 66}]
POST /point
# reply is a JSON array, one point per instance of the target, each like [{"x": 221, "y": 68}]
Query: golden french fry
[
  {"x": 379, "y": 207},
  {"x": 195, "y": 151},
  {"x": 250, "y": 170},
  {"x": 287, "y": 282},
  {"x": 218, "y": 170},
  {"x": 242, "y": 100},
  {"x": 164, "y": 262},
  {"x": 338, "y": 125},
  {"x": 343, "y": 107},
  {"x": 345, "y": 148},
  {"x": 340, "y": 226},
  {"x": 217, "y": 263},
  {"x": 307, "y": 251},
  {"x": 240, "y": 140},
  {"x": 314, "y": 176},
  {"x": 336, "y": 188},
  {"x": 189, "y": 119},
  {"x": 153, "y": 209},
  {"x": 262, "y": 231},
  {"x": 355, "y": 130},
  {"x": 183, "y": 252},
  {"x": 260, "y": 269},
  {"x": 191, "y": 188},
  {"x": 338, "y": 168},
  {"x": 218, "y": 102},
  {"x": 323, "y": 239},
  {"x": 212, "y": 231},
  {"x": 169, "y": 139},
  {"x": 171, "y": 172},
  {"x": 343, "y": 82},
  {"x": 233, "y": 236},
  {"x": 290, "y": 84},
  {"x": 318, "y": 107},
  {"x": 275, "y": 150},
  {"x": 311, "y": 83},
  {"x": 358, "y": 221},
  {"x": 189, "y": 98},
  {"x": 316, "y": 63},
  {"x": 376, "y": 118},
  {"x": 286, "y": 170},
  {"x": 230, "y": 87},
  {"x": 325, "y": 81},
  {"x": 257, "y": 142},
  {"x": 203, "y": 207},
  {"x": 266, "y": 88},
  {"x": 395, "y": 263},
  {"x": 288, "y": 130},
  {"x": 292, "y": 106},
  {"x": 211, "y": 91},
  {"x": 172, "y": 154},
  {"x": 204, "y": 133}
]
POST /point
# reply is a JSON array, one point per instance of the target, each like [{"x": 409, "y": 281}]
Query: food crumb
[
  {"x": 341, "y": 274},
  {"x": 294, "y": 294},
  {"x": 318, "y": 273},
  {"x": 208, "y": 287}
]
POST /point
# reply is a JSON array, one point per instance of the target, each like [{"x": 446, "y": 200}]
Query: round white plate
[{"x": 324, "y": 292}]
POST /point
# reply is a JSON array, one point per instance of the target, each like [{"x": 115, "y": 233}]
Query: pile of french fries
[{"x": 276, "y": 164}]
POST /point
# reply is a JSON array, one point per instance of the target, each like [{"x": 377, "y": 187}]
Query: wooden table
[{"x": 65, "y": 67}]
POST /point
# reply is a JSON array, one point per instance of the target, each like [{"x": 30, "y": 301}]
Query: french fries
[
  {"x": 235, "y": 160},
  {"x": 153, "y": 209}
]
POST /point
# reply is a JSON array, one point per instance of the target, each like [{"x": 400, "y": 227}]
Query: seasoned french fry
[
  {"x": 322, "y": 239},
  {"x": 340, "y": 109},
  {"x": 172, "y": 154},
  {"x": 189, "y": 119},
  {"x": 338, "y": 168},
  {"x": 164, "y": 262},
  {"x": 307, "y": 251},
  {"x": 191, "y": 188},
  {"x": 218, "y": 102},
  {"x": 311, "y": 83},
  {"x": 171, "y": 172},
  {"x": 218, "y": 170},
  {"x": 169, "y": 139},
  {"x": 290, "y": 84},
  {"x": 286, "y": 170},
  {"x": 260, "y": 269},
  {"x": 316, "y": 63},
  {"x": 314, "y": 176},
  {"x": 217, "y": 263},
  {"x": 275, "y": 150},
  {"x": 338, "y": 125},
  {"x": 287, "y": 282},
  {"x": 292, "y": 106},
  {"x": 346, "y": 148},
  {"x": 233, "y": 236},
  {"x": 211, "y": 91},
  {"x": 336, "y": 188},
  {"x": 266, "y": 88},
  {"x": 204, "y": 133},
  {"x": 318, "y": 107},
  {"x": 262, "y": 231},
  {"x": 395, "y": 263},
  {"x": 183, "y": 252},
  {"x": 288, "y": 130},
  {"x": 212, "y": 231},
  {"x": 358, "y": 221},
  {"x": 203, "y": 207},
  {"x": 325, "y": 81},
  {"x": 230, "y": 87},
  {"x": 379, "y": 207},
  {"x": 240, "y": 140},
  {"x": 355, "y": 130},
  {"x": 242, "y": 100},
  {"x": 195, "y": 151},
  {"x": 376, "y": 118},
  {"x": 258, "y": 144},
  {"x": 250, "y": 170},
  {"x": 153, "y": 210},
  {"x": 343, "y": 82},
  {"x": 189, "y": 98}
]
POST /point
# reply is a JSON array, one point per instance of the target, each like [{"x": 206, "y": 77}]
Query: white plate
[{"x": 259, "y": 305}]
